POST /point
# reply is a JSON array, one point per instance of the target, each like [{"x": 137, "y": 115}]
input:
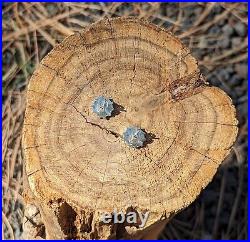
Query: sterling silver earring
[
  {"x": 103, "y": 107},
  {"x": 134, "y": 137}
]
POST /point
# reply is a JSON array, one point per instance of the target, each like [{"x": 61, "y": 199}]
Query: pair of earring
[{"x": 133, "y": 136}]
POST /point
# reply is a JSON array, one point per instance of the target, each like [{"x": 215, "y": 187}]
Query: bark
[{"x": 78, "y": 165}]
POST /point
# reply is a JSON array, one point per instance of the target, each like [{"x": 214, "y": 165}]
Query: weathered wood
[{"x": 78, "y": 165}]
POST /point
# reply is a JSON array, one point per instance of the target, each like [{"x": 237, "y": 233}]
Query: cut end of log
[{"x": 78, "y": 165}]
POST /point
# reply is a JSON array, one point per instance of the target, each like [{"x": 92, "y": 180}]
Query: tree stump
[{"x": 78, "y": 165}]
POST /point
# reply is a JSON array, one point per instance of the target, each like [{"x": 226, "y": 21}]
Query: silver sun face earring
[
  {"x": 134, "y": 137},
  {"x": 103, "y": 107}
]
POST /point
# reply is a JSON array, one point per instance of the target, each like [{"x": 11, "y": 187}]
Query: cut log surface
[{"x": 78, "y": 165}]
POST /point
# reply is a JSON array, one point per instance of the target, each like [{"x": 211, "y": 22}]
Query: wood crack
[{"x": 96, "y": 125}]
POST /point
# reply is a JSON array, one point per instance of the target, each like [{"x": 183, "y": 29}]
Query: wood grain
[{"x": 74, "y": 157}]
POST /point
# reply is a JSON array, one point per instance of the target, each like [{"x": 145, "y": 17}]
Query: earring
[
  {"x": 134, "y": 137},
  {"x": 103, "y": 107}
]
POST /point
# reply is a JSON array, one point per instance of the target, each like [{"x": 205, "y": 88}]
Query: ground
[{"x": 216, "y": 33}]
